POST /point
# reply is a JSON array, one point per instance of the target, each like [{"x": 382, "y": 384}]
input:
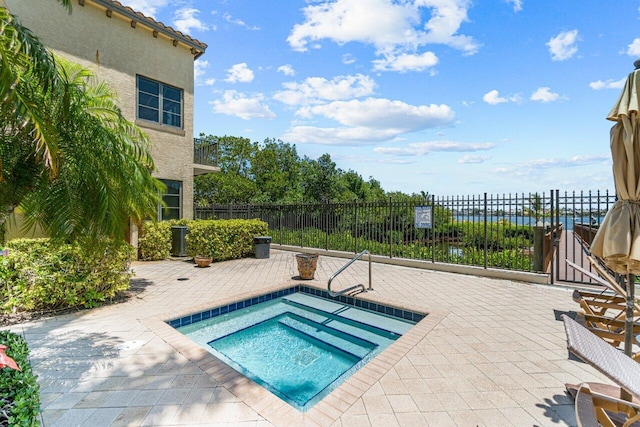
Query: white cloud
[
  {"x": 406, "y": 62},
  {"x": 473, "y": 159},
  {"x": 146, "y": 7},
  {"x": 244, "y": 106},
  {"x": 608, "y": 84},
  {"x": 239, "y": 73},
  {"x": 446, "y": 18},
  {"x": 544, "y": 94},
  {"x": 517, "y": 5},
  {"x": 424, "y": 148},
  {"x": 634, "y": 48},
  {"x": 287, "y": 70},
  {"x": 209, "y": 82},
  {"x": 184, "y": 20},
  {"x": 493, "y": 97},
  {"x": 380, "y": 113},
  {"x": 345, "y": 136},
  {"x": 538, "y": 165},
  {"x": 563, "y": 46},
  {"x": 199, "y": 70},
  {"x": 347, "y": 59},
  {"x": 394, "y": 29},
  {"x": 227, "y": 17},
  {"x": 369, "y": 121},
  {"x": 317, "y": 89}
]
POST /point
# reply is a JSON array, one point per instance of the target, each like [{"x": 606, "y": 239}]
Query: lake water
[{"x": 567, "y": 221}]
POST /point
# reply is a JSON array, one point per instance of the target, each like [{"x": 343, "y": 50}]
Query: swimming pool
[{"x": 298, "y": 343}]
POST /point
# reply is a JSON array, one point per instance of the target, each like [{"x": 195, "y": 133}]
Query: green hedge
[
  {"x": 219, "y": 239},
  {"x": 155, "y": 241},
  {"x": 224, "y": 239},
  {"x": 19, "y": 391},
  {"x": 39, "y": 275}
]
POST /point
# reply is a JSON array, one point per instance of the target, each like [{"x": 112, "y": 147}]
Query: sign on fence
[{"x": 423, "y": 217}]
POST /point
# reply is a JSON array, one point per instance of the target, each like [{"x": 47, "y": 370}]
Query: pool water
[{"x": 299, "y": 346}]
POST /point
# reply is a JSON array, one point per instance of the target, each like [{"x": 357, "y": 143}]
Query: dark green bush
[
  {"x": 40, "y": 275},
  {"x": 223, "y": 239},
  {"x": 19, "y": 391}
]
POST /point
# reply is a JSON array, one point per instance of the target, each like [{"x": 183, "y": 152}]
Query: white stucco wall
[{"x": 117, "y": 52}]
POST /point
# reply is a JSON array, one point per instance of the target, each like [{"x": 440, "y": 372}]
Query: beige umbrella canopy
[{"x": 617, "y": 241}]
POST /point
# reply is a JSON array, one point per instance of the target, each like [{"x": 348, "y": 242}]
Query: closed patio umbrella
[{"x": 617, "y": 241}]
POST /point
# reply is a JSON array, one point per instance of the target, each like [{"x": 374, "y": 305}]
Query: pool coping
[{"x": 268, "y": 405}]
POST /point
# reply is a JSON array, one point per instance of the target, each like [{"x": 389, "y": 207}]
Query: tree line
[{"x": 274, "y": 172}]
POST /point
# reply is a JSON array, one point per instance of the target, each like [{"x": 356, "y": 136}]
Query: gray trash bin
[
  {"x": 262, "y": 246},
  {"x": 178, "y": 241}
]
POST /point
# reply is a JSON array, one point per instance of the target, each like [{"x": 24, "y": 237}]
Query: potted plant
[
  {"x": 307, "y": 264},
  {"x": 202, "y": 261}
]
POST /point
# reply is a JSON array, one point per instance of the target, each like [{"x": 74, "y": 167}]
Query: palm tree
[
  {"x": 22, "y": 55},
  {"x": 104, "y": 176},
  {"x": 67, "y": 155}
]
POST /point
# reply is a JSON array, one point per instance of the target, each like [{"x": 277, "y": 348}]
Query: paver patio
[{"x": 490, "y": 353}]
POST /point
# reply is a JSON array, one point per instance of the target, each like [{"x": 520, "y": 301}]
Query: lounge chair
[
  {"x": 600, "y": 404},
  {"x": 604, "y": 312}
]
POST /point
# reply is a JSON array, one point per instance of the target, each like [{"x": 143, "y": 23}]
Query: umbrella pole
[{"x": 628, "y": 330}]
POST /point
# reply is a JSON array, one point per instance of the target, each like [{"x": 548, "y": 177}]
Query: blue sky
[{"x": 451, "y": 97}]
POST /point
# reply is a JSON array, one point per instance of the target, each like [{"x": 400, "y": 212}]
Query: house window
[
  {"x": 158, "y": 102},
  {"x": 172, "y": 199}
]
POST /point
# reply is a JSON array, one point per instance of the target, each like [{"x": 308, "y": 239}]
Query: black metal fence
[{"x": 497, "y": 231}]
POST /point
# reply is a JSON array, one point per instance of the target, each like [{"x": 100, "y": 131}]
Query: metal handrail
[{"x": 344, "y": 267}]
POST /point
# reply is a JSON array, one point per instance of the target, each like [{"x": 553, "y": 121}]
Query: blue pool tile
[
  {"x": 383, "y": 309},
  {"x": 206, "y": 314},
  {"x": 267, "y": 297},
  {"x": 232, "y": 307},
  {"x": 262, "y": 298},
  {"x": 407, "y": 315},
  {"x": 196, "y": 317},
  {"x": 215, "y": 312},
  {"x": 359, "y": 303},
  {"x": 185, "y": 321},
  {"x": 254, "y": 300},
  {"x": 224, "y": 309},
  {"x": 174, "y": 323}
]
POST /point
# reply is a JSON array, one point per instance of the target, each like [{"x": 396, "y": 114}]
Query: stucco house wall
[{"x": 119, "y": 44}]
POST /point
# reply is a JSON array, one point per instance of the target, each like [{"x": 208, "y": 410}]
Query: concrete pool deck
[{"x": 490, "y": 353}]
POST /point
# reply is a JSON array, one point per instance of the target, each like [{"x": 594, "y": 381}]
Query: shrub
[
  {"x": 223, "y": 239},
  {"x": 155, "y": 241},
  {"x": 19, "y": 391},
  {"x": 39, "y": 275}
]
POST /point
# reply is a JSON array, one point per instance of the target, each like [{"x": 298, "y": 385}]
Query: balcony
[{"x": 205, "y": 157}]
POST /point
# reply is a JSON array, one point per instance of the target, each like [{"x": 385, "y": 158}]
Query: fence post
[
  {"x": 552, "y": 236},
  {"x": 355, "y": 227},
  {"x": 486, "y": 237},
  {"x": 433, "y": 228},
  {"x": 389, "y": 230},
  {"x": 538, "y": 251},
  {"x": 561, "y": 227}
]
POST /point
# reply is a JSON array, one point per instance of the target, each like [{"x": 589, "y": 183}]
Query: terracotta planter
[
  {"x": 202, "y": 261},
  {"x": 307, "y": 264}
]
